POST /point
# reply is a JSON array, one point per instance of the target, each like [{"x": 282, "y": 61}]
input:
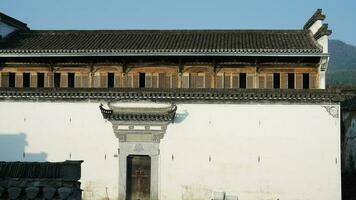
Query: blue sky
[{"x": 183, "y": 14}]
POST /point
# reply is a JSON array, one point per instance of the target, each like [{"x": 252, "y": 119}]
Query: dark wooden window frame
[
  {"x": 40, "y": 79},
  {"x": 71, "y": 80},
  {"x": 243, "y": 80},
  {"x": 276, "y": 80},
  {"x": 26, "y": 80},
  {"x": 306, "y": 81}
]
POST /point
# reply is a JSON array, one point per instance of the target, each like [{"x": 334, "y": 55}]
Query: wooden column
[
  {"x": 284, "y": 80},
  {"x": 299, "y": 81},
  {"x": 33, "y": 80},
  {"x": 5, "y": 79},
  {"x": 250, "y": 81},
  {"x": 269, "y": 81},
  {"x": 262, "y": 81},
  {"x": 19, "y": 80}
]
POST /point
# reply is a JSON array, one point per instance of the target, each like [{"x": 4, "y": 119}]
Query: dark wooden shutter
[
  {"x": 193, "y": 80},
  {"x": 262, "y": 81},
  {"x": 78, "y": 81},
  {"x": 185, "y": 80},
  {"x": 299, "y": 81},
  {"x": 148, "y": 80},
  {"x": 169, "y": 80},
  {"x": 118, "y": 80},
  {"x": 33, "y": 80},
  {"x": 19, "y": 80},
  {"x": 269, "y": 81},
  {"x": 45, "y": 80},
  {"x": 207, "y": 80},
  {"x": 64, "y": 80},
  {"x": 135, "y": 80},
  {"x": 96, "y": 81},
  {"x": 250, "y": 81},
  {"x": 129, "y": 79},
  {"x": 235, "y": 80},
  {"x": 103, "y": 80},
  {"x": 162, "y": 82},
  {"x": 199, "y": 80},
  {"x": 284, "y": 80},
  {"x": 85, "y": 80},
  {"x": 220, "y": 80},
  {"x": 50, "y": 79},
  {"x": 174, "y": 80},
  {"x": 5, "y": 79},
  {"x": 313, "y": 81},
  {"x": 155, "y": 80},
  {"x": 227, "y": 80}
]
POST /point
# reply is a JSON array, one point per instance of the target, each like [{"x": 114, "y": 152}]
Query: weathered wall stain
[{"x": 195, "y": 192}]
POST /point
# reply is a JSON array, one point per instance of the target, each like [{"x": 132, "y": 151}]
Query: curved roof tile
[{"x": 160, "y": 41}]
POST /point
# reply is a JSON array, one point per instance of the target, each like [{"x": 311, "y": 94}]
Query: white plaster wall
[
  {"x": 316, "y": 26},
  {"x": 256, "y": 151},
  {"x": 324, "y": 42},
  {"x": 60, "y": 130},
  {"x": 6, "y": 29},
  {"x": 298, "y": 148},
  {"x": 322, "y": 79}
]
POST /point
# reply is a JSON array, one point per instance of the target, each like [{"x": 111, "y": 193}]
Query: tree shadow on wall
[{"x": 12, "y": 148}]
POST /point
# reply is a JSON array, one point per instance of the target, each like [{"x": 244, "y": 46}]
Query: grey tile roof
[
  {"x": 40, "y": 180},
  {"x": 160, "y": 42}
]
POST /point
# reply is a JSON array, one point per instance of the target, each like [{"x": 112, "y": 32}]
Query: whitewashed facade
[
  {"x": 253, "y": 151},
  {"x": 153, "y": 115}
]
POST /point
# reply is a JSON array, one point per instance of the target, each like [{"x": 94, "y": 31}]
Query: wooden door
[{"x": 138, "y": 182}]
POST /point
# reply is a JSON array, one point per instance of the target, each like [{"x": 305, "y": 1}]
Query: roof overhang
[
  {"x": 173, "y": 95},
  {"x": 23, "y": 55}
]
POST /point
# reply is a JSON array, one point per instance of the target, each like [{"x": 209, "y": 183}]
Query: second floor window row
[{"x": 159, "y": 80}]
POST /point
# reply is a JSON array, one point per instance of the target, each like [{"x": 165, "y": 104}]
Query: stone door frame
[{"x": 138, "y": 148}]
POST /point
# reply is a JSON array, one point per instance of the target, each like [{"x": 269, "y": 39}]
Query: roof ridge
[{"x": 159, "y": 30}]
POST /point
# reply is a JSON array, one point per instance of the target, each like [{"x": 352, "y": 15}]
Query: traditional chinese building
[
  {"x": 294, "y": 59},
  {"x": 176, "y": 114}
]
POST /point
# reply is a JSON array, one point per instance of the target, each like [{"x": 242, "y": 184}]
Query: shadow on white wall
[{"x": 12, "y": 148}]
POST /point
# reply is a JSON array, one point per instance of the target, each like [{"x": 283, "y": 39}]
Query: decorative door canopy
[
  {"x": 139, "y": 122},
  {"x": 139, "y": 112}
]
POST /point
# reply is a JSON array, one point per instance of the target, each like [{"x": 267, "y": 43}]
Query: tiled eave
[
  {"x": 96, "y": 53},
  {"x": 123, "y": 116},
  {"x": 243, "y": 96}
]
